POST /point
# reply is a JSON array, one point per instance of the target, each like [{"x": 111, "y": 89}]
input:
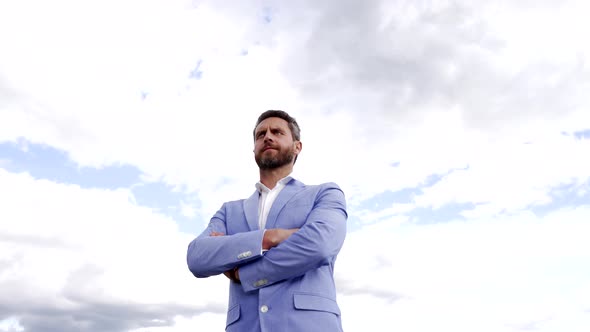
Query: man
[{"x": 279, "y": 246}]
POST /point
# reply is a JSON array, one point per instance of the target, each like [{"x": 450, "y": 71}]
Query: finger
[{"x": 231, "y": 275}]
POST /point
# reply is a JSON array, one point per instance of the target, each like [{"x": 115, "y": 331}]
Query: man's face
[{"x": 273, "y": 144}]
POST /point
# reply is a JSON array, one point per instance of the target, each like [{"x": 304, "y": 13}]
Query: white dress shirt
[{"x": 267, "y": 197}]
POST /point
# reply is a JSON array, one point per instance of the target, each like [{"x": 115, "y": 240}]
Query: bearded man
[{"x": 279, "y": 246}]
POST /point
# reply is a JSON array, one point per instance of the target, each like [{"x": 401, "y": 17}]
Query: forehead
[{"x": 272, "y": 122}]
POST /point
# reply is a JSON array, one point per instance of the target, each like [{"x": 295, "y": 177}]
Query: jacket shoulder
[
  {"x": 237, "y": 202},
  {"x": 324, "y": 186},
  {"x": 323, "y": 190}
]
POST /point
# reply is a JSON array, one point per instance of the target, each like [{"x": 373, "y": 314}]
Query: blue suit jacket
[{"x": 291, "y": 286}]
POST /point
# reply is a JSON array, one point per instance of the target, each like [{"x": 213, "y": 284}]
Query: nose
[{"x": 268, "y": 137}]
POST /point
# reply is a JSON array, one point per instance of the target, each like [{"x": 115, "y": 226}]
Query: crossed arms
[
  {"x": 272, "y": 238},
  {"x": 291, "y": 252}
]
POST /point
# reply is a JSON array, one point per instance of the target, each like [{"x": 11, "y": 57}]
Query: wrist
[
  {"x": 236, "y": 275},
  {"x": 267, "y": 241}
]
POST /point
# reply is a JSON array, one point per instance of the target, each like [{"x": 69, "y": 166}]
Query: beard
[{"x": 282, "y": 158}]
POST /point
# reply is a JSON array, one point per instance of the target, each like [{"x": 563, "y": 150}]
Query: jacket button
[
  {"x": 264, "y": 309},
  {"x": 260, "y": 282}
]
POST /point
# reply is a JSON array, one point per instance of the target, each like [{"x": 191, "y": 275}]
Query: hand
[
  {"x": 273, "y": 237},
  {"x": 233, "y": 274}
]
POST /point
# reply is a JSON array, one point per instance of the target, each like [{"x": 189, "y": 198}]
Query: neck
[{"x": 270, "y": 177}]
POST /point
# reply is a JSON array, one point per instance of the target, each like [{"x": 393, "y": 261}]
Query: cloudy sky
[{"x": 459, "y": 131}]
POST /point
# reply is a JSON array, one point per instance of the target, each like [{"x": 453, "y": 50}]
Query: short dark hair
[{"x": 293, "y": 126}]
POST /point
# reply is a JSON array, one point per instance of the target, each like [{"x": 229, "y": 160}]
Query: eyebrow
[{"x": 272, "y": 129}]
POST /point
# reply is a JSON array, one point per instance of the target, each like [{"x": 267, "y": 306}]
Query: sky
[{"x": 458, "y": 130}]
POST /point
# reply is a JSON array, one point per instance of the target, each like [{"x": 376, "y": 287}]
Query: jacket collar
[{"x": 251, "y": 204}]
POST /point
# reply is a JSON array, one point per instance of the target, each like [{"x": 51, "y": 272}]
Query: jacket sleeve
[
  {"x": 314, "y": 244},
  {"x": 211, "y": 255}
]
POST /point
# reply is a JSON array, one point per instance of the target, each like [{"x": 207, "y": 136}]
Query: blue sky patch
[
  {"x": 406, "y": 195},
  {"x": 170, "y": 201},
  {"x": 267, "y": 15},
  {"x": 564, "y": 196},
  {"x": 196, "y": 73},
  {"x": 45, "y": 162},
  {"x": 445, "y": 213},
  {"x": 582, "y": 134},
  {"x": 390, "y": 198}
]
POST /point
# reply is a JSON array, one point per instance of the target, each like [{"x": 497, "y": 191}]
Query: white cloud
[
  {"x": 67, "y": 250},
  {"x": 509, "y": 176},
  {"x": 84, "y": 94},
  {"x": 396, "y": 82},
  {"x": 503, "y": 273},
  {"x": 10, "y": 325},
  {"x": 433, "y": 87},
  {"x": 499, "y": 274}
]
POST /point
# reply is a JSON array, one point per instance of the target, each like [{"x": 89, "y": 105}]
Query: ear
[{"x": 298, "y": 147}]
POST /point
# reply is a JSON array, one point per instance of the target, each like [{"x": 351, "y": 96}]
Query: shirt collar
[{"x": 281, "y": 183}]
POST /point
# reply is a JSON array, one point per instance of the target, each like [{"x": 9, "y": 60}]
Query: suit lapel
[
  {"x": 284, "y": 196},
  {"x": 251, "y": 210}
]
